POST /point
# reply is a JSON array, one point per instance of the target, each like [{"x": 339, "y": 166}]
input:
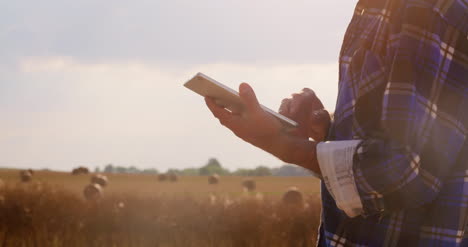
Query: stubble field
[{"x": 139, "y": 210}]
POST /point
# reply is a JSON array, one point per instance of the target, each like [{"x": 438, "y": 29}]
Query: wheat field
[
  {"x": 148, "y": 185},
  {"x": 138, "y": 210}
]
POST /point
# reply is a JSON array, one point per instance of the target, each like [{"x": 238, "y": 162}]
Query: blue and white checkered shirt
[{"x": 403, "y": 91}]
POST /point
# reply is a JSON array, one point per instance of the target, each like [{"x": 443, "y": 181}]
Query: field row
[{"x": 148, "y": 185}]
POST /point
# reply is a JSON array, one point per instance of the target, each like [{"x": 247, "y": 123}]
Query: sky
[{"x": 93, "y": 82}]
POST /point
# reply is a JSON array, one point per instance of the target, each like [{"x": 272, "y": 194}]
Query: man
[{"x": 395, "y": 167}]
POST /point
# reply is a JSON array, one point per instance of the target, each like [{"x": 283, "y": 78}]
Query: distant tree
[
  {"x": 174, "y": 171},
  {"x": 213, "y": 162},
  {"x": 261, "y": 171},
  {"x": 133, "y": 169},
  {"x": 213, "y": 167},
  {"x": 97, "y": 169},
  {"x": 291, "y": 170},
  {"x": 190, "y": 171},
  {"x": 109, "y": 168},
  {"x": 150, "y": 171},
  {"x": 242, "y": 172}
]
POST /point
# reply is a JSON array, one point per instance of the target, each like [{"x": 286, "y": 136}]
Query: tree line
[{"x": 213, "y": 166}]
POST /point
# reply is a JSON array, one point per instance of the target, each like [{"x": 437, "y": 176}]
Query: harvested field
[{"x": 137, "y": 210}]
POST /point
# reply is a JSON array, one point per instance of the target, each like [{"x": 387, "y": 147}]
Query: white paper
[{"x": 336, "y": 164}]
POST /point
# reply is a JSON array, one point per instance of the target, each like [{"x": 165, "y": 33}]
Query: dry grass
[
  {"x": 148, "y": 185},
  {"x": 137, "y": 210}
]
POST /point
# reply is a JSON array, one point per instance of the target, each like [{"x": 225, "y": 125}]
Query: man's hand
[
  {"x": 264, "y": 131},
  {"x": 253, "y": 125},
  {"x": 306, "y": 109}
]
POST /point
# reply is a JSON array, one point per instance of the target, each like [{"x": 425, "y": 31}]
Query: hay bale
[
  {"x": 213, "y": 179},
  {"x": 172, "y": 177},
  {"x": 83, "y": 170},
  {"x": 25, "y": 176},
  {"x": 162, "y": 177},
  {"x": 99, "y": 179},
  {"x": 31, "y": 171},
  {"x": 80, "y": 170},
  {"x": 249, "y": 185},
  {"x": 213, "y": 199},
  {"x": 92, "y": 192},
  {"x": 293, "y": 197}
]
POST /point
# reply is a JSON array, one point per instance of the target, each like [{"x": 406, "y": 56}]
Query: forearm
[{"x": 295, "y": 150}]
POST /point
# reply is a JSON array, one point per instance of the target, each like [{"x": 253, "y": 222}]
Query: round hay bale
[
  {"x": 99, "y": 179},
  {"x": 25, "y": 176},
  {"x": 212, "y": 199},
  {"x": 120, "y": 205},
  {"x": 80, "y": 170},
  {"x": 172, "y": 177},
  {"x": 84, "y": 170},
  {"x": 213, "y": 179},
  {"x": 92, "y": 192},
  {"x": 162, "y": 177},
  {"x": 249, "y": 185},
  {"x": 293, "y": 197}
]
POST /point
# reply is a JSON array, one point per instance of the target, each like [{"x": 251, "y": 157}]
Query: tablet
[{"x": 227, "y": 97}]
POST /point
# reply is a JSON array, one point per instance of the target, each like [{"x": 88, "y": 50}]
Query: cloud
[
  {"x": 176, "y": 32},
  {"x": 60, "y": 112}
]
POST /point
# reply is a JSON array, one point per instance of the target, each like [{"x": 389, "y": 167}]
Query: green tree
[
  {"x": 175, "y": 171},
  {"x": 190, "y": 171},
  {"x": 132, "y": 169},
  {"x": 109, "y": 168},
  {"x": 120, "y": 169},
  {"x": 150, "y": 171},
  {"x": 262, "y": 171},
  {"x": 259, "y": 171},
  {"x": 213, "y": 166},
  {"x": 243, "y": 172}
]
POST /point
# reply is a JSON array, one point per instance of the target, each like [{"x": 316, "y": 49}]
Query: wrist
[{"x": 296, "y": 150}]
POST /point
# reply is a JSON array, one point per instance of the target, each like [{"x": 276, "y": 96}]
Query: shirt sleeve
[
  {"x": 422, "y": 124},
  {"x": 414, "y": 85},
  {"x": 336, "y": 164}
]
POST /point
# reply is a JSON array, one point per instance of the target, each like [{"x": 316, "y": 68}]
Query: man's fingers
[
  {"x": 316, "y": 103},
  {"x": 284, "y": 107},
  {"x": 308, "y": 91},
  {"x": 319, "y": 124},
  {"x": 311, "y": 98},
  {"x": 226, "y": 118},
  {"x": 296, "y": 103},
  {"x": 220, "y": 113},
  {"x": 321, "y": 117},
  {"x": 248, "y": 97}
]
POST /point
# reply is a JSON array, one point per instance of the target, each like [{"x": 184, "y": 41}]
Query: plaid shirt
[{"x": 403, "y": 90}]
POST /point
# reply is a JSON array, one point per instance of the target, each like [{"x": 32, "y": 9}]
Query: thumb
[{"x": 248, "y": 97}]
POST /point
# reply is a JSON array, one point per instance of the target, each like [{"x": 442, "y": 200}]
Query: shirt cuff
[{"x": 335, "y": 159}]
